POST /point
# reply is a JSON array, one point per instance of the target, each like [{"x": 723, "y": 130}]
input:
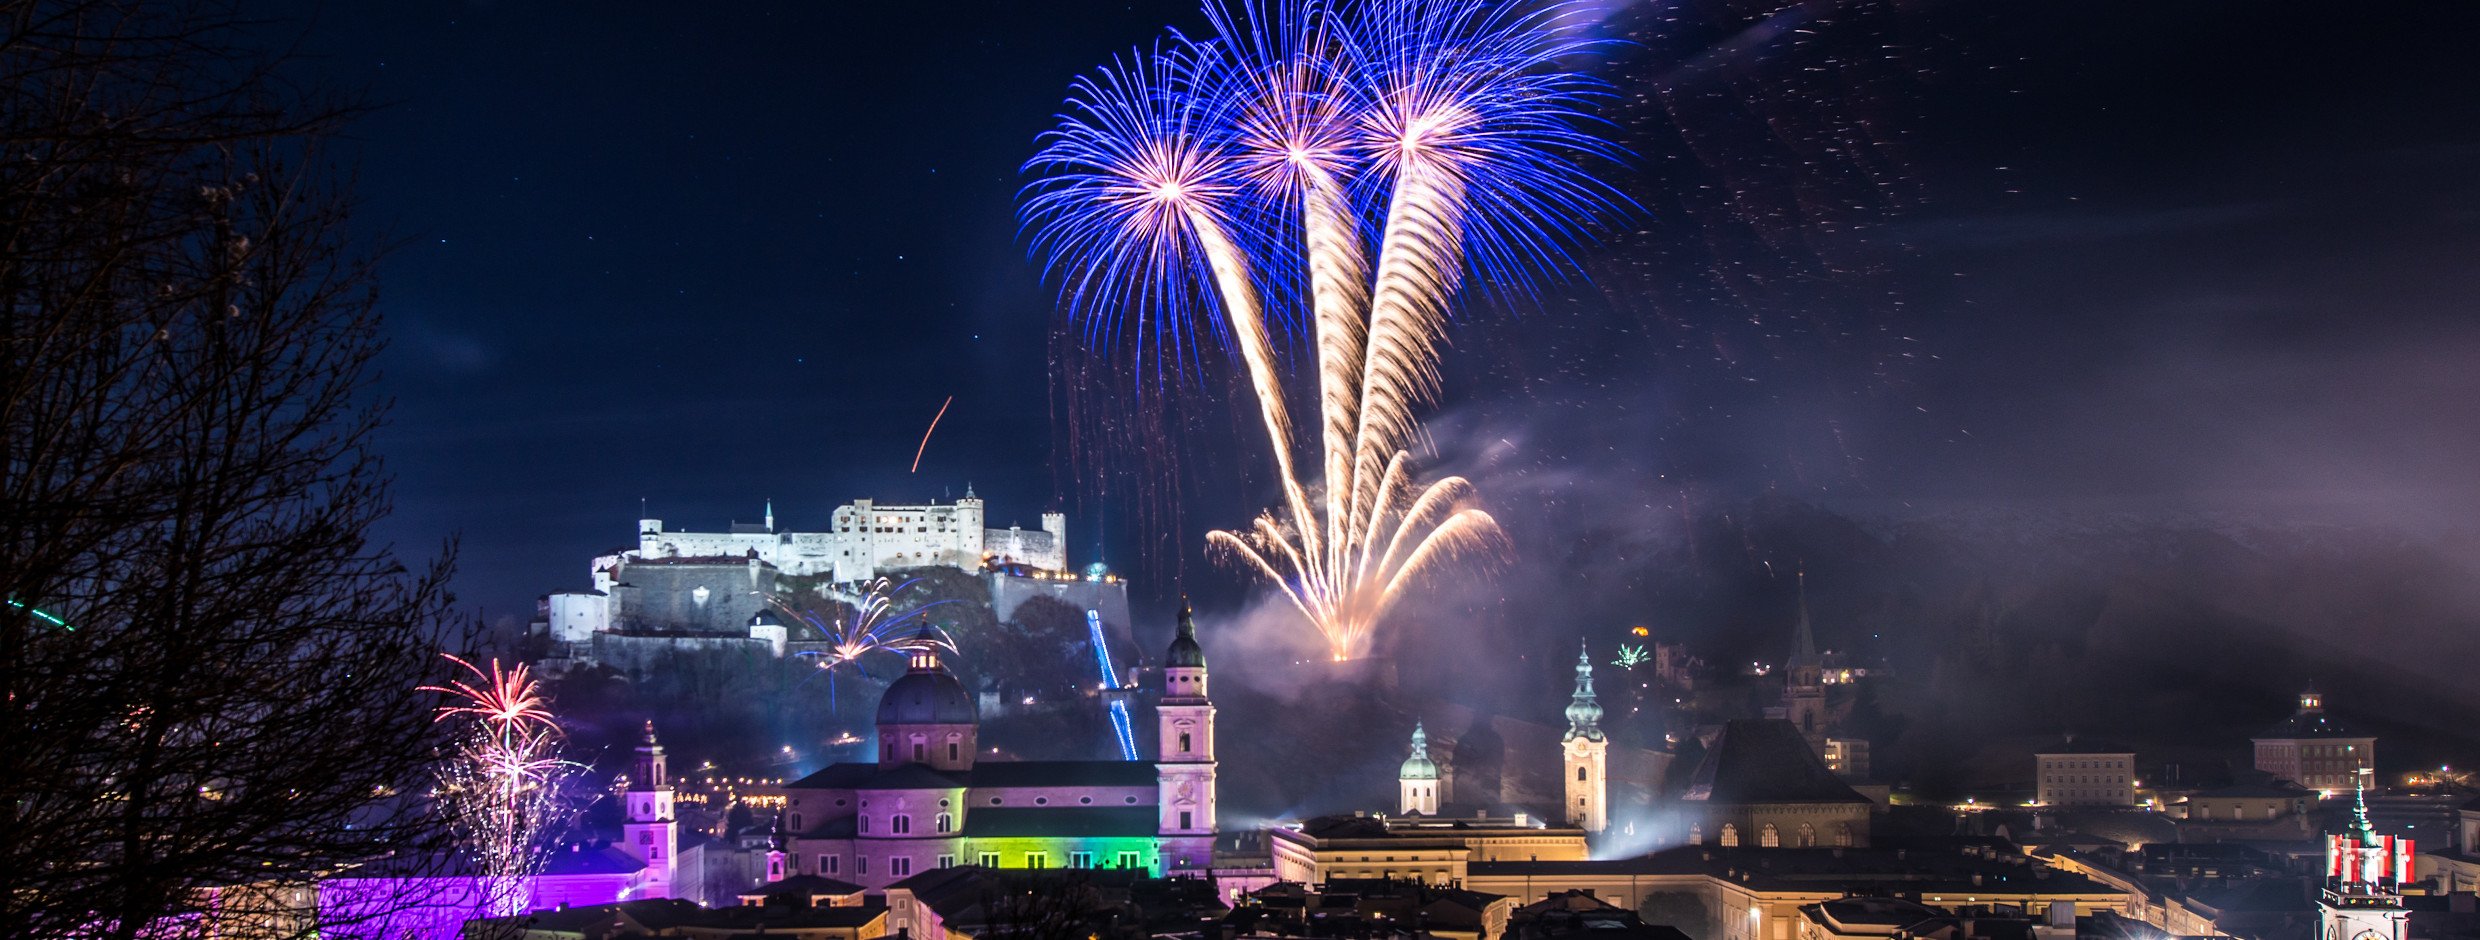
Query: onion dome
[
  {"x": 1584, "y": 712},
  {"x": 1184, "y": 652},
  {"x": 1419, "y": 766}
]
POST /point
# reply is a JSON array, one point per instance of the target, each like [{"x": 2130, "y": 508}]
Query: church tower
[
  {"x": 1418, "y": 782},
  {"x": 1587, "y": 750},
  {"x": 1184, "y": 774},
  {"x": 2364, "y": 872},
  {"x": 1804, "y": 682},
  {"x": 651, "y": 833}
]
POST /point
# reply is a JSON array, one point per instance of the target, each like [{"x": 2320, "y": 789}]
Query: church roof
[
  {"x": 1765, "y": 760},
  {"x": 2310, "y": 724},
  {"x": 582, "y": 859},
  {"x": 1184, "y": 651},
  {"x": 990, "y": 774},
  {"x": 927, "y": 696},
  {"x": 1000, "y": 822}
]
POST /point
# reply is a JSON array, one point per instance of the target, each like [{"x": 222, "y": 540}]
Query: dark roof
[
  {"x": 581, "y": 859},
  {"x": 1053, "y": 821},
  {"x": 1825, "y": 869},
  {"x": 1064, "y": 773},
  {"x": 1184, "y": 651},
  {"x": 874, "y": 777},
  {"x": 804, "y": 886},
  {"x": 999, "y": 774},
  {"x": 2256, "y": 790},
  {"x": 927, "y": 697},
  {"x": 1765, "y": 760},
  {"x": 2307, "y": 724},
  {"x": 2070, "y": 745}
]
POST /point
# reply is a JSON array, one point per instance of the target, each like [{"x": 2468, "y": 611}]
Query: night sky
[{"x": 2166, "y": 256}]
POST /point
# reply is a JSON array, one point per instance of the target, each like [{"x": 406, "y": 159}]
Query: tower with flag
[{"x": 2364, "y": 875}]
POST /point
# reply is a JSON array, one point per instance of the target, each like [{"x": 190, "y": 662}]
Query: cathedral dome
[
  {"x": 927, "y": 695},
  {"x": 1419, "y": 766}
]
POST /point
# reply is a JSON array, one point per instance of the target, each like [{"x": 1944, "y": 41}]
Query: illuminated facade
[
  {"x": 927, "y": 803},
  {"x": 2315, "y": 750},
  {"x": 2085, "y": 774},
  {"x": 1431, "y": 850},
  {"x": 867, "y": 538},
  {"x": 652, "y": 834}
]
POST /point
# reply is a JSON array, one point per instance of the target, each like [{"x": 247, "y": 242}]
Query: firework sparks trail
[
  {"x": 1280, "y": 135},
  {"x": 925, "y": 434},
  {"x": 873, "y": 625},
  {"x": 504, "y": 786}
]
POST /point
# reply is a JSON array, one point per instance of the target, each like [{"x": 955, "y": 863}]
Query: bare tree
[{"x": 209, "y": 670}]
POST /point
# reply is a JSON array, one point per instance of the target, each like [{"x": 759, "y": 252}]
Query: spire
[
  {"x": 1417, "y": 765},
  {"x": 1803, "y": 640},
  {"x": 770, "y": 514},
  {"x": 1584, "y": 712},
  {"x": 1185, "y": 652},
  {"x": 1420, "y": 741},
  {"x": 2365, "y": 833},
  {"x": 649, "y": 740}
]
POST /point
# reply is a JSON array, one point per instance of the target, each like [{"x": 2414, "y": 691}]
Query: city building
[
  {"x": 2315, "y": 750},
  {"x": 866, "y": 538},
  {"x": 1435, "y": 851},
  {"x": 1761, "y": 785},
  {"x": 2084, "y": 773},
  {"x": 929, "y": 803}
]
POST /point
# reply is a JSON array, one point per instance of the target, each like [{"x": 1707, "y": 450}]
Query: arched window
[
  {"x": 1184, "y": 742},
  {"x": 1768, "y": 837},
  {"x": 1696, "y": 835},
  {"x": 1842, "y": 835},
  {"x": 1730, "y": 836},
  {"x": 1580, "y": 775},
  {"x": 900, "y": 824},
  {"x": 945, "y": 823},
  {"x": 1808, "y": 835}
]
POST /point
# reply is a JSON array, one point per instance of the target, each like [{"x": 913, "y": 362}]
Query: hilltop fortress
[{"x": 867, "y": 538}]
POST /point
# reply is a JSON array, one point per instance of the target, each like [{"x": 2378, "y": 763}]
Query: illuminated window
[
  {"x": 944, "y": 823},
  {"x": 989, "y": 860}
]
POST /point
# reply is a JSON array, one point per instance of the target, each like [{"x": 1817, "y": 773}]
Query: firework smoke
[{"x": 1240, "y": 173}]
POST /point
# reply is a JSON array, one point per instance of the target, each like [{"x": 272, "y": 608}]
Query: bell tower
[
  {"x": 1804, "y": 683},
  {"x": 1184, "y": 773},
  {"x": 2364, "y": 872},
  {"x": 1587, "y": 765},
  {"x": 651, "y": 832},
  {"x": 1418, "y": 781}
]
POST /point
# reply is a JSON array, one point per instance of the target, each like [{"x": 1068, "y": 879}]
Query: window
[
  {"x": 864, "y": 823},
  {"x": 899, "y": 866},
  {"x": 1080, "y": 859},
  {"x": 861, "y": 864},
  {"x": 1730, "y": 836},
  {"x": 827, "y": 864},
  {"x": 1130, "y": 860},
  {"x": 1037, "y": 860},
  {"x": 900, "y": 824},
  {"x": 796, "y": 822},
  {"x": 947, "y": 861},
  {"x": 1769, "y": 837},
  {"x": 1183, "y": 742},
  {"x": 1185, "y": 822},
  {"x": 989, "y": 860},
  {"x": 952, "y": 753},
  {"x": 944, "y": 823},
  {"x": 918, "y": 750},
  {"x": 1579, "y": 775}
]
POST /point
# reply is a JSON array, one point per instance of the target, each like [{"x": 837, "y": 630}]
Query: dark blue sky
[{"x": 2172, "y": 253}]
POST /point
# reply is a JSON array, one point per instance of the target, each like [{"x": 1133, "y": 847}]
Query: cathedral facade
[{"x": 929, "y": 802}]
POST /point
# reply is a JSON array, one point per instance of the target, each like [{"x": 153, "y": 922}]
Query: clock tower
[{"x": 2364, "y": 872}]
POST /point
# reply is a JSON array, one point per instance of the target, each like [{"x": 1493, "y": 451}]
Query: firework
[
  {"x": 872, "y": 626},
  {"x": 925, "y": 435},
  {"x": 1176, "y": 180},
  {"x": 1631, "y": 657},
  {"x": 503, "y": 787}
]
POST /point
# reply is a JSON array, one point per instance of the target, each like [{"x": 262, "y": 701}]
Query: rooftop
[
  {"x": 1765, "y": 760},
  {"x": 1827, "y": 870}
]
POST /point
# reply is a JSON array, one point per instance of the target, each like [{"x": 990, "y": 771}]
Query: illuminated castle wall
[
  {"x": 928, "y": 802},
  {"x": 866, "y": 538}
]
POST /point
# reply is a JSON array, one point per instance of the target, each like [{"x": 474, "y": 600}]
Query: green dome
[
  {"x": 1419, "y": 766},
  {"x": 1184, "y": 652}
]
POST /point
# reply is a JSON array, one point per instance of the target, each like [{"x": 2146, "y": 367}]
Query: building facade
[
  {"x": 929, "y": 803},
  {"x": 865, "y": 538},
  {"x": 2088, "y": 773},
  {"x": 2316, "y": 750}
]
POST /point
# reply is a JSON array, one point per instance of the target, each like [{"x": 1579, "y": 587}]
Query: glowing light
[{"x": 873, "y": 625}]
